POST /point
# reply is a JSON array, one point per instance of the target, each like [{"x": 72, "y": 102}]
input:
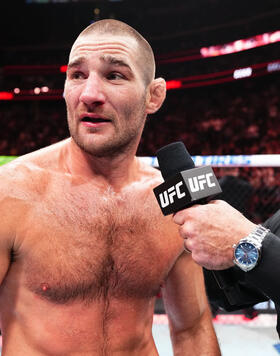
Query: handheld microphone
[{"x": 184, "y": 184}]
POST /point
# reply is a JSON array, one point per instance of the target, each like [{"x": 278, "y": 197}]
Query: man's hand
[{"x": 209, "y": 232}]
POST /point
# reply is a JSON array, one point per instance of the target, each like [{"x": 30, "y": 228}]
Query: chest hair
[{"x": 87, "y": 246}]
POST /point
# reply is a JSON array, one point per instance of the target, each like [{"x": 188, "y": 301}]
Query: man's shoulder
[
  {"x": 150, "y": 173},
  {"x": 28, "y": 169},
  {"x": 42, "y": 158}
]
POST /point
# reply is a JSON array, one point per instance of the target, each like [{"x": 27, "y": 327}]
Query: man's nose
[{"x": 92, "y": 92}]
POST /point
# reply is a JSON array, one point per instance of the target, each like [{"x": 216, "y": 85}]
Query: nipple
[{"x": 44, "y": 287}]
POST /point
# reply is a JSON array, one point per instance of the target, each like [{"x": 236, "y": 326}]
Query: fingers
[
  {"x": 181, "y": 216},
  {"x": 186, "y": 248},
  {"x": 215, "y": 209},
  {"x": 184, "y": 230}
]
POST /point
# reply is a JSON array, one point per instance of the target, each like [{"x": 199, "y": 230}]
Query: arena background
[{"x": 221, "y": 60}]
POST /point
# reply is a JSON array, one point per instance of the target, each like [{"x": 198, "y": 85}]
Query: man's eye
[
  {"x": 76, "y": 75},
  {"x": 115, "y": 75}
]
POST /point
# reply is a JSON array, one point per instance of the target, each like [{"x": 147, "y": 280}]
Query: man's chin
[{"x": 98, "y": 149}]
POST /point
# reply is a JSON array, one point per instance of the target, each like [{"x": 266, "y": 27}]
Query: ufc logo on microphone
[
  {"x": 199, "y": 182},
  {"x": 167, "y": 197}
]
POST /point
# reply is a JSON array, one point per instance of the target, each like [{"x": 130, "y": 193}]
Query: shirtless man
[{"x": 84, "y": 246}]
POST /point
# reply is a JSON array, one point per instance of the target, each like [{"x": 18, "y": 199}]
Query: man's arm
[
  {"x": 265, "y": 275},
  {"x": 5, "y": 242},
  {"x": 190, "y": 319},
  {"x": 10, "y": 217},
  {"x": 211, "y": 230}
]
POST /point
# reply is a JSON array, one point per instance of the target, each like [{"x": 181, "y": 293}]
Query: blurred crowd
[
  {"x": 30, "y": 125},
  {"x": 242, "y": 117},
  {"x": 235, "y": 118}
]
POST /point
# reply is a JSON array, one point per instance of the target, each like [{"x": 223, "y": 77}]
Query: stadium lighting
[
  {"x": 4, "y": 95},
  {"x": 273, "y": 67},
  {"x": 242, "y": 73},
  {"x": 63, "y": 69},
  {"x": 173, "y": 84},
  {"x": 241, "y": 44},
  {"x": 44, "y": 89}
]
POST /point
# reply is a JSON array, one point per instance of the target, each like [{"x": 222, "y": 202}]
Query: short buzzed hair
[{"x": 115, "y": 27}]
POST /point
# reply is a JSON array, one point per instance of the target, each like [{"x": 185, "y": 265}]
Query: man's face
[{"x": 105, "y": 94}]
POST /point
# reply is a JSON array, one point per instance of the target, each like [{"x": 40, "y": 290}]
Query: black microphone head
[{"x": 174, "y": 158}]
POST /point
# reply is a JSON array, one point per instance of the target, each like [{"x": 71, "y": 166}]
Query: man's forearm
[{"x": 199, "y": 340}]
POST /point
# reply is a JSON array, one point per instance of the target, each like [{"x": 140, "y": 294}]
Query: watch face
[{"x": 246, "y": 254}]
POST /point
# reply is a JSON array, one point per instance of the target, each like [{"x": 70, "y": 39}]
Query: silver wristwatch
[{"x": 247, "y": 251}]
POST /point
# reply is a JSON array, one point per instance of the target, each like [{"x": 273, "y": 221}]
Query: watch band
[{"x": 256, "y": 236}]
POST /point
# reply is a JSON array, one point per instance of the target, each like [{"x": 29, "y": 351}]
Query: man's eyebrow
[
  {"x": 115, "y": 61},
  {"x": 76, "y": 62},
  {"x": 108, "y": 59}
]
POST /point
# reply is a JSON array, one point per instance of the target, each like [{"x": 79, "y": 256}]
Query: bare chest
[{"x": 86, "y": 247}]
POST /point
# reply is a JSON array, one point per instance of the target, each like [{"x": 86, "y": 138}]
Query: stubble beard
[{"x": 120, "y": 143}]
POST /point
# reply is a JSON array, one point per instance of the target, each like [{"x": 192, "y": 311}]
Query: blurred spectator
[{"x": 236, "y": 118}]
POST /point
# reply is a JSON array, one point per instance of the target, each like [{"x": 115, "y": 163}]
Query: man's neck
[{"x": 115, "y": 172}]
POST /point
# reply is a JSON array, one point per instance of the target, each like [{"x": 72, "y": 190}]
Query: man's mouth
[{"x": 94, "y": 120}]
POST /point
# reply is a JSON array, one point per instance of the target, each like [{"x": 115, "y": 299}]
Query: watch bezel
[
  {"x": 243, "y": 265},
  {"x": 255, "y": 238}
]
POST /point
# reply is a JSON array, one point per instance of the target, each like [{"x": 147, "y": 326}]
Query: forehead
[{"x": 90, "y": 45}]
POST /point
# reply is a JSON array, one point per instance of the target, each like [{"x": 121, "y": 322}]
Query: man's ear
[{"x": 156, "y": 95}]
